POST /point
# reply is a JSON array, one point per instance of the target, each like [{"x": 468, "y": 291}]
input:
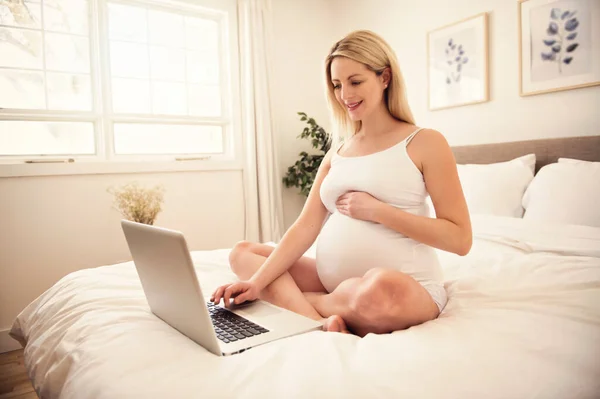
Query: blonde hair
[{"x": 371, "y": 50}]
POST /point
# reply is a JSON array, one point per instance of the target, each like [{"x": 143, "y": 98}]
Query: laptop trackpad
[{"x": 260, "y": 309}]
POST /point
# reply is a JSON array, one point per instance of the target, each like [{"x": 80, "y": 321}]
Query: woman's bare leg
[
  {"x": 286, "y": 291},
  {"x": 380, "y": 302}
]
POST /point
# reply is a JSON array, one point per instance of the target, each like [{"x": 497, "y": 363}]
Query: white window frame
[{"x": 105, "y": 160}]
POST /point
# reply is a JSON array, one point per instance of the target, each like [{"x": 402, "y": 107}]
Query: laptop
[{"x": 171, "y": 286}]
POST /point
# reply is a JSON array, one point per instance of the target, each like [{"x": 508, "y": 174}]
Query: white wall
[
  {"x": 302, "y": 35},
  {"x": 51, "y": 226},
  {"x": 507, "y": 116}
]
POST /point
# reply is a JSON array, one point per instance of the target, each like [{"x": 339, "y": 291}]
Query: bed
[{"x": 522, "y": 321}]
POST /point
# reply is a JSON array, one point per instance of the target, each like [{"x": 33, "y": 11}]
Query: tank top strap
[
  {"x": 337, "y": 149},
  {"x": 413, "y": 134}
]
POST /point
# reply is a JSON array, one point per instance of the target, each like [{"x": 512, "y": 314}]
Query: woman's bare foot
[{"x": 335, "y": 324}]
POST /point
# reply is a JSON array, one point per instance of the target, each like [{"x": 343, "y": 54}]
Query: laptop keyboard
[{"x": 231, "y": 327}]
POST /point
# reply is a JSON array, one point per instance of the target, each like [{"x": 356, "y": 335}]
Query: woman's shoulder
[
  {"x": 428, "y": 145},
  {"x": 421, "y": 134},
  {"x": 429, "y": 136}
]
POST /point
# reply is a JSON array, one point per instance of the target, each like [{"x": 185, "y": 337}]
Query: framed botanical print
[
  {"x": 457, "y": 63},
  {"x": 559, "y": 45}
]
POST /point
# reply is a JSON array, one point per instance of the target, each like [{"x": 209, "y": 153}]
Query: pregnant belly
[{"x": 349, "y": 248}]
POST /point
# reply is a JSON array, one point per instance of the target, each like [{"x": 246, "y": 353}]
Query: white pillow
[
  {"x": 497, "y": 189},
  {"x": 565, "y": 192},
  {"x": 571, "y": 160}
]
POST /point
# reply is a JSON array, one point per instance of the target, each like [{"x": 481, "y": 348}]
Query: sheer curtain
[{"x": 262, "y": 182}]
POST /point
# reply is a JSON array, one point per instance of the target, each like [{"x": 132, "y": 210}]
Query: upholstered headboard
[{"x": 547, "y": 151}]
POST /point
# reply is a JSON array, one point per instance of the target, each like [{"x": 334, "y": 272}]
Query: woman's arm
[
  {"x": 451, "y": 229},
  {"x": 439, "y": 233},
  {"x": 300, "y": 236}
]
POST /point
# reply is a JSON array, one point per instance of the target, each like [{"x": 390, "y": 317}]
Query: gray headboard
[{"x": 547, "y": 151}]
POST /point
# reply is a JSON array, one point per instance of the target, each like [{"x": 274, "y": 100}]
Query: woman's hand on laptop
[{"x": 240, "y": 291}]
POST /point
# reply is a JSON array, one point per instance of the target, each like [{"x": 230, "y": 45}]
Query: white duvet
[{"x": 522, "y": 321}]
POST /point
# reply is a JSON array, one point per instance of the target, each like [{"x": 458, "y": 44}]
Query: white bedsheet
[{"x": 522, "y": 321}]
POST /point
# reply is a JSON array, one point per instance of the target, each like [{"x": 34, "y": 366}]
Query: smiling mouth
[{"x": 353, "y": 106}]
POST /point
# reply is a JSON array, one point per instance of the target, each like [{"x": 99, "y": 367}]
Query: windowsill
[{"x": 113, "y": 167}]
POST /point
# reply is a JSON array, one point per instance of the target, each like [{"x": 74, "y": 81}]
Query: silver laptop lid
[{"x": 167, "y": 274}]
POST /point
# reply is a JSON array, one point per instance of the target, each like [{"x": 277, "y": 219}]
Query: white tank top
[{"x": 348, "y": 247}]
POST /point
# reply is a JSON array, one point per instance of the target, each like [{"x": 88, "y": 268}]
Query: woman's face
[{"x": 358, "y": 89}]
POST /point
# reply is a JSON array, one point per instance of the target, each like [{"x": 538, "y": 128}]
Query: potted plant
[{"x": 302, "y": 173}]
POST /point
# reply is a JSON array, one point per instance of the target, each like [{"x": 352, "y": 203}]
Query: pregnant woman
[{"x": 376, "y": 270}]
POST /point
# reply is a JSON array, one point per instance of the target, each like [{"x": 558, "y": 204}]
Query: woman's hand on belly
[{"x": 358, "y": 205}]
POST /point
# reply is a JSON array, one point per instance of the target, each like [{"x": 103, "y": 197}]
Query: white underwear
[{"x": 438, "y": 294}]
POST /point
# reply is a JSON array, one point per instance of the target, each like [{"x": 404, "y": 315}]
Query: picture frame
[
  {"x": 556, "y": 45},
  {"x": 458, "y": 63}
]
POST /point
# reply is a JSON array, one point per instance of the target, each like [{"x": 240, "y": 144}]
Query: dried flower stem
[{"x": 137, "y": 203}]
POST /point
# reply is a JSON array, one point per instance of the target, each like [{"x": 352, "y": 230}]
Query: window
[{"x": 127, "y": 81}]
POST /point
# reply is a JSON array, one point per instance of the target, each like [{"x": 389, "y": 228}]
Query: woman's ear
[{"x": 386, "y": 76}]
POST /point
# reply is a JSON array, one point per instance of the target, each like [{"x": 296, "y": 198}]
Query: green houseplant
[{"x": 302, "y": 173}]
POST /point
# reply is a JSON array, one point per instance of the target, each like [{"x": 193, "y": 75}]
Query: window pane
[
  {"x": 129, "y": 60},
  {"x": 201, "y": 34},
  {"x": 21, "y": 48},
  {"x": 127, "y": 23},
  {"x": 169, "y": 98},
  {"x": 204, "y": 100},
  {"x": 22, "y": 89},
  {"x": 176, "y": 73},
  {"x": 203, "y": 67},
  {"x": 67, "y": 53},
  {"x": 46, "y": 138},
  {"x": 135, "y": 138},
  {"x": 70, "y": 16},
  {"x": 167, "y": 63},
  {"x": 25, "y": 14},
  {"x": 165, "y": 28},
  {"x": 69, "y": 92},
  {"x": 131, "y": 95}
]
